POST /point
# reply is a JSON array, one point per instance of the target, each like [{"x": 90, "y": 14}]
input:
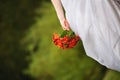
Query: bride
[{"x": 97, "y": 22}]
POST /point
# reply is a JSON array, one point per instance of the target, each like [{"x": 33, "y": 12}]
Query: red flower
[{"x": 66, "y": 40}]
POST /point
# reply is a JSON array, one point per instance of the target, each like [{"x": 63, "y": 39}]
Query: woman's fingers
[{"x": 66, "y": 25}]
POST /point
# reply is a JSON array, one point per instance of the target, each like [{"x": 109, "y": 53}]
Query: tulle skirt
[{"x": 97, "y": 22}]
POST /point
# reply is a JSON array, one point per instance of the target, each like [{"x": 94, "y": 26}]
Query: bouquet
[{"x": 66, "y": 40}]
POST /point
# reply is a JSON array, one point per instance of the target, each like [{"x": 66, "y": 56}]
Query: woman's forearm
[
  {"x": 60, "y": 13},
  {"x": 59, "y": 9}
]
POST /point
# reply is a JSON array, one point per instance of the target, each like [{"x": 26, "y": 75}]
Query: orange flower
[
  {"x": 55, "y": 36},
  {"x": 66, "y": 41}
]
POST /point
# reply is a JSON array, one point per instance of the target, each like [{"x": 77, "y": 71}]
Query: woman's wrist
[{"x": 62, "y": 19}]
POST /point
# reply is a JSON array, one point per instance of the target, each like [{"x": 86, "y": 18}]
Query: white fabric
[{"x": 98, "y": 24}]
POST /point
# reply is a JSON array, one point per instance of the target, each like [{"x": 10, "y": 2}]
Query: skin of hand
[
  {"x": 65, "y": 25},
  {"x": 60, "y": 13}
]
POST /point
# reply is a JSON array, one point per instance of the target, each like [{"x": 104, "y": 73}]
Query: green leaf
[
  {"x": 65, "y": 32},
  {"x": 71, "y": 34}
]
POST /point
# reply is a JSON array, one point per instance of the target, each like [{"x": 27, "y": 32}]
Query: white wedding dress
[{"x": 97, "y": 22}]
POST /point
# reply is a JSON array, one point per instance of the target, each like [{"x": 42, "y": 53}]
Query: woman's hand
[{"x": 65, "y": 25}]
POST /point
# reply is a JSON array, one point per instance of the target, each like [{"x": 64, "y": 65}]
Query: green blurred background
[{"x": 27, "y": 51}]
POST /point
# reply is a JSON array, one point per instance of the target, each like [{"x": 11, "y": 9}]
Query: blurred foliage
[
  {"x": 27, "y": 51},
  {"x": 112, "y": 75},
  {"x": 16, "y": 17}
]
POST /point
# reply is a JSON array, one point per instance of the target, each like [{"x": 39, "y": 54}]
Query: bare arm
[
  {"x": 60, "y": 13},
  {"x": 59, "y": 10}
]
